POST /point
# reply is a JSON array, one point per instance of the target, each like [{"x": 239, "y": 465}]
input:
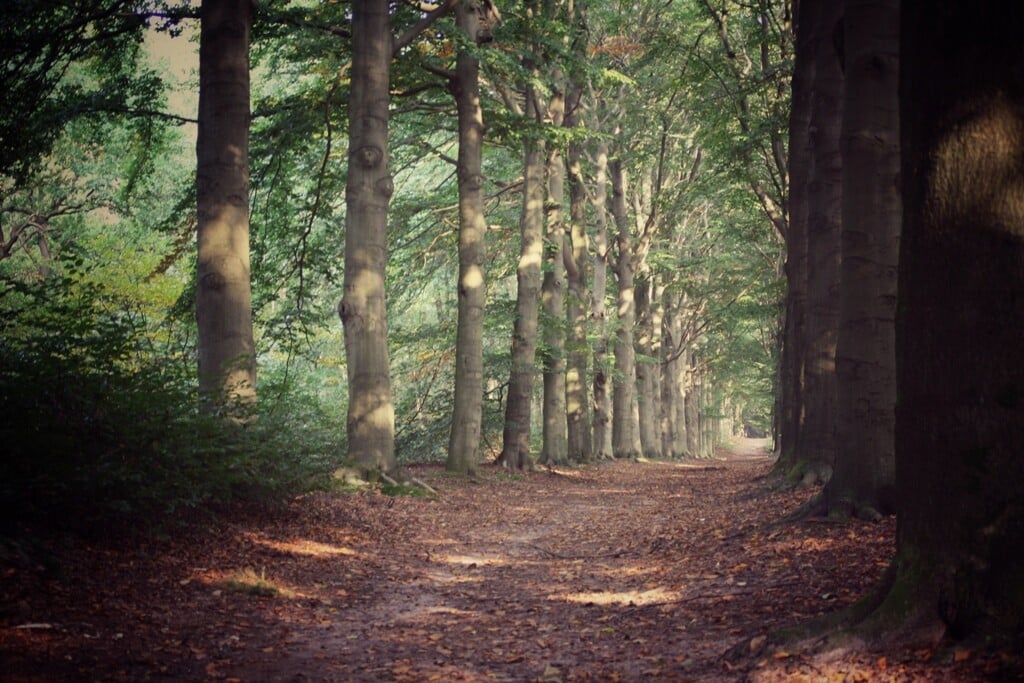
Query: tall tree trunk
[
  {"x": 602, "y": 397},
  {"x": 647, "y": 370},
  {"x": 363, "y": 311},
  {"x": 467, "y": 413},
  {"x": 865, "y": 467},
  {"x": 959, "y": 563},
  {"x": 515, "y": 449},
  {"x": 824, "y": 220},
  {"x": 672, "y": 428},
  {"x": 677, "y": 370},
  {"x": 227, "y": 354},
  {"x": 624, "y": 419},
  {"x": 577, "y": 255},
  {"x": 555, "y": 450},
  {"x": 794, "y": 335},
  {"x": 692, "y": 406}
]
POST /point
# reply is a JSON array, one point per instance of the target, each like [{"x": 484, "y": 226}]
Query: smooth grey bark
[
  {"x": 648, "y": 368},
  {"x": 577, "y": 256},
  {"x": 624, "y": 418},
  {"x": 555, "y": 449},
  {"x": 227, "y": 352},
  {"x": 363, "y": 311},
  {"x": 790, "y": 420},
  {"x": 598, "y": 308},
  {"x": 959, "y": 326},
  {"x": 515, "y": 450},
  {"x": 467, "y": 412},
  {"x": 959, "y": 563},
  {"x": 673, "y": 413},
  {"x": 691, "y": 402}
]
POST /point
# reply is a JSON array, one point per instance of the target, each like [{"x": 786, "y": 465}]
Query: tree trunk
[
  {"x": 691, "y": 403},
  {"x": 624, "y": 427},
  {"x": 371, "y": 413},
  {"x": 227, "y": 354},
  {"x": 959, "y": 563},
  {"x": 647, "y": 370},
  {"x": 790, "y": 420},
  {"x": 555, "y": 450},
  {"x": 673, "y": 418},
  {"x": 577, "y": 255},
  {"x": 515, "y": 450},
  {"x": 865, "y": 467},
  {"x": 824, "y": 219},
  {"x": 602, "y": 397},
  {"x": 467, "y": 413}
]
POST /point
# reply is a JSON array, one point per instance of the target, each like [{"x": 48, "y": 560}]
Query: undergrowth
[{"x": 101, "y": 422}]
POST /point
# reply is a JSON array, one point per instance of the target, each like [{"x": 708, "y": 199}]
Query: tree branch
[{"x": 422, "y": 25}]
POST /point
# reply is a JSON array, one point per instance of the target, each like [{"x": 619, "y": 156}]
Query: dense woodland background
[
  {"x": 100, "y": 218},
  {"x": 559, "y": 232}
]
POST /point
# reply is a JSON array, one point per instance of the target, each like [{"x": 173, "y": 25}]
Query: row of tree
[
  {"x": 559, "y": 192},
  {"x": 900, "y": 375},
  {"x": 561, "y": 107}
]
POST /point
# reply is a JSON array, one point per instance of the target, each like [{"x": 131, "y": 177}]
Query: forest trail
[{"x": 619, "y": 571}]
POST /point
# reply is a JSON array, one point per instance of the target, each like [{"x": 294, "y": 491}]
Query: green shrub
[{"x": 100, "y": 418}]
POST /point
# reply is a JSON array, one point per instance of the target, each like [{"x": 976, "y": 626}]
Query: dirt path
[{"x": 623, "y": 571}]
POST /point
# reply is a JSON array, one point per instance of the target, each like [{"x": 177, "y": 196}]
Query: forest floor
[{"x": 620, "y": 571}]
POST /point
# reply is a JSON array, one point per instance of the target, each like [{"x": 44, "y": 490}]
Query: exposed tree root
[
  {"x": 901, "y": 612},
  {"x": 409, "y": 480},
  {"x": 825, "y": 504}
]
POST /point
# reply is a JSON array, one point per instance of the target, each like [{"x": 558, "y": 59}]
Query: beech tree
[
  {"x": 555, "y": 448},
  {"x": 864, "y": 473},
  {"x": 959, "y": 561},
  {"x": 813, "y": 453},
  {"x": 625, "y": 428},
  {"x": 602, "y": 421},
  {"x": 227, "y": 355},
  {"x": 464, "y": 444},
  {"x": 515, "y": 449},
  {"x": 371, "y": 412}
]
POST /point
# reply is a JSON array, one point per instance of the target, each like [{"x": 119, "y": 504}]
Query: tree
[
  {"x": 624, "y": 419},
  {"x": 40, "y": 44},
  {"x": 577, "y": 304},
  {"x": 864, "y": 473},
  {"x": 227, "y": 355},
  {"x": 371, "y": 413},
  {"x": 464, "y": 444},
  {"x": 960, "y": 418},
  {"x": 598, "y": 309},
  {"x": 555, "y": 449},
  {"x": 959, "y": 561},
  {"x": 789, "y": 417},
  {"x": 813, "y": 459},
  {"x": 515, "y": 449}
]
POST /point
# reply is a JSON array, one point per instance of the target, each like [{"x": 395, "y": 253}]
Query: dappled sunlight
[
  {"x": 615, "y": 492},
  {"x": 302, "y": 546},
  {"x": 807, "y": 545},
  {"x": 247, "y": 581},
  {"x": 472, "y": 561},
  {"x": 629, "y": 598},
  {"x": 473, "y": 278},
  {"x": 445, "y": 577}
]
